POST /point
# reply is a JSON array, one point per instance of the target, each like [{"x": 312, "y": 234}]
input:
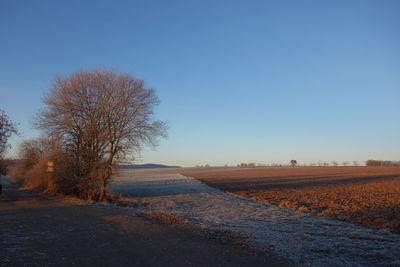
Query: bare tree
[
  {"x": 7, "y": 129},
  {"x": 293, "y": 163},
  {"x": 345, "y": 163},
  {"x": 100, "y": 116},
  {"x": 243, "y": 165},
  {"x": 371, "y": 162},
  {"x": 251, "y": 165}
]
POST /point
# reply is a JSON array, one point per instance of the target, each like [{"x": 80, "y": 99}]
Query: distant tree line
[
  {"x": 294, "y": 163},
  {"x": 372, "y": 162}
]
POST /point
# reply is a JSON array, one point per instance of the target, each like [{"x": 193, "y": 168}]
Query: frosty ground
[{"x": 303, "y": 239}]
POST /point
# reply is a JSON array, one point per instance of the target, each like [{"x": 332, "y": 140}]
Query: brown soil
[
  {"x": 37, "y": 230},
  {"x": 368, "y": 196}
]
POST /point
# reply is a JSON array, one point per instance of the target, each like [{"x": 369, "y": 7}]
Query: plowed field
[{"x": 368, "y": 196}]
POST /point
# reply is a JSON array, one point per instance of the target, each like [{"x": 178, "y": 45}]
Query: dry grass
[
  {"x": 368, "y": 196},
  {"x": 4, "y": 197},
  {"x": 169, "y": 218}
]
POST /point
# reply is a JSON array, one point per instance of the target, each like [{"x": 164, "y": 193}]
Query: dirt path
[{"x": 36, "y": 230}]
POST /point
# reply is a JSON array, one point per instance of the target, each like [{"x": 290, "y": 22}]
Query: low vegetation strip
[{"x": 368, "y": 196}]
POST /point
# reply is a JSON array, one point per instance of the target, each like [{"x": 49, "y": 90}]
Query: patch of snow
[{"x": 305, "y": 239}]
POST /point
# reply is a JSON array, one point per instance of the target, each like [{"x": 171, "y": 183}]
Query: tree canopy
[
  {"x": 100, "y": 116},
  {"x": 7, "y": 129}
]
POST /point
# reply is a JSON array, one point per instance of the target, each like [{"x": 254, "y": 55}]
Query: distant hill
[{"x": 146, "y": 166}]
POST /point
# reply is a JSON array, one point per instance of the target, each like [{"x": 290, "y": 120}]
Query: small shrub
[
  {"x": 17, "y": 174},
  {"x": 59, "y": 181}
]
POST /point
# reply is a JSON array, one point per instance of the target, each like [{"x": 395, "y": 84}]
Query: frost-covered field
[
  {"x": 156, "y": 182},
  {"x": 304, "y": 239}
]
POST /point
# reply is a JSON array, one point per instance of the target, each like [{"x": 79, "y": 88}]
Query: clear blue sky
[{"x": 239, "y": 81}]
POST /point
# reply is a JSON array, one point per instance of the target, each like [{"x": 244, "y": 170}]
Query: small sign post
[{"x": 50, "y": 167}]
